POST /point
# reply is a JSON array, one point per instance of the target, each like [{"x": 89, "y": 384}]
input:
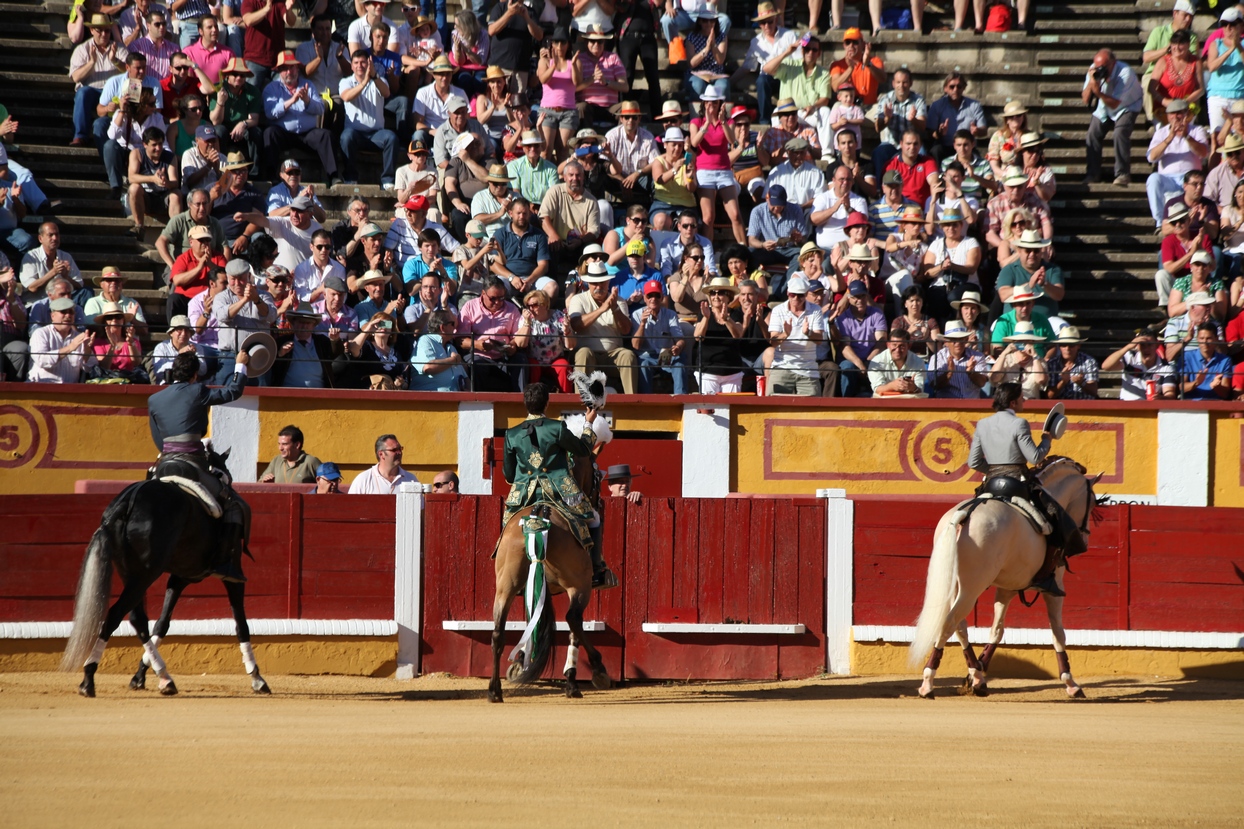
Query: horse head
[{"x": 216, "y": 462}]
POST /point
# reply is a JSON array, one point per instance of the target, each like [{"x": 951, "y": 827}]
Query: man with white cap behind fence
[
  {"x": 178, "y": 342},
  {"x": 795, "y": 327}
]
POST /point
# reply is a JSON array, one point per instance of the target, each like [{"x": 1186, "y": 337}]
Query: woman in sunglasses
[
  {"x": 547, "y": 339},
  {"x": 635, "y": 226},
  {"x": 686, "y": 284},
  {"x": 374, "y": 354},
  {"x": 1014, "y": 223}
]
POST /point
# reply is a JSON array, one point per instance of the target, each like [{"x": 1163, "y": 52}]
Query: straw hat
[
  {"x": 720, "y": 283},
  {"x": 912, "y": 213},
  {"x": 1025, "y": 294},
  {"x": 236, "y": 66},
  {"x": 764, "y": 11},
  {"x": 1233, "y": 144},
  {"x": 495, "y": 73},
  {"x": 109, "y": 272},
  {"x": 808, "y": 249},
  {"x": 369, "y": 278},
  {"x": 1024, "y": 332},
  {"x": 1032, "y": 240},
  {"x": 441, "y": 66},
  {"x": 786, "y": 106},
  {"x": 531, "y": 138},
  {"x": 596, "y": 272},
  {"x": 670, "y": 109},
  {"x": 968, "y": 298},
  {"x": 112, "y": 309},
  {"x": 628, "y": 108},
  {"x": 498, "y": 173},
  {"x": 1031, "y": 140},
  {"x": 1014, "y": 177},
  {"x": 587, "y": 135},
  {"x": 1070, "y": 335},
  {"x": 861, "y": 253},
  {"x": 99, "y": 21},
  {"x": 956, "y": 330},
  {"x": 287, "y": 58},
  {"x": 235, "y": 161},
  {"x": 953, "y": 216},
  {"x": 1014, "y": 108}
]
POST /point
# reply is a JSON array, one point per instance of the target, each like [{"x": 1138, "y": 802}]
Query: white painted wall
[
  {"x": 474, "y": 427},
  {"x": 235, "y": 426},
  {"x": 705, "y": 452},
  {"x": 1183, "y": 458}
]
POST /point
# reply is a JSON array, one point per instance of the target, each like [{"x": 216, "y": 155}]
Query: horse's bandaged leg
[
  {"x": 1064, "y": 665},
  {"x": 153, "y": 658},
  {"x": 248, "y": 657},
  {"x": 572, "y": 659},
  {"x": 594, "y": 521},
  {"x": 155, "y": 642},
  {"x": 97, "y": 652},
  {"x": 987, "y": 655}
]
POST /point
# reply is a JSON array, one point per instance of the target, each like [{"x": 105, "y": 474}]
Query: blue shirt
[
  {"x": 113, "y": 86},
  {"x": 769, "y": 228},
  {"x": 431, "y": 348},
  {"x": 1194, "y": 362},
  {"x": 1123, "y": 85},
  {"x": 299, "y": 119},
  {"x": 629, "y": 283},
  {"x": 416, "y": 269},
  {"x": 305, "y": 371},
  {"x": 523, "y": 253},
  {"x": 962, "y": 117},
  {"x": 661, "y": 331},
  {"x": 279, "y": 196}
]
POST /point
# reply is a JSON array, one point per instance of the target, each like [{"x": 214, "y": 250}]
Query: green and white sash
[{"x": 535, "y": 594}]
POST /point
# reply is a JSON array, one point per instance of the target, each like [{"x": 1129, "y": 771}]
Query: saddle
[
  {"x": 1017, "y": 494},
  {"x": 191, "y": 479}
]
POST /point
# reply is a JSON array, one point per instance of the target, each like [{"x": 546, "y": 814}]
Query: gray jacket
[{"x": 1005, "y": 438}]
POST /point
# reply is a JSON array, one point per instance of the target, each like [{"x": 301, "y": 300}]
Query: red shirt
[
  {"x": 915, "y": 177},
  {"x": 1173, "y": 248},
  {"x": 173, "y": 95},
  {"x": 264, "y": 40},
  {"x": 187, "y": 262}
]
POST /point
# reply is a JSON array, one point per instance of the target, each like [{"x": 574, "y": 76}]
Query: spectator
[
  {"x": 1231, "y": 236},
  {"x": 431, "y": 106},
  {"x": 713, "y": 167},
  {"x": 832, "y": 208},
  {"x": 184, "y": 103},
  {"x": 1003, "y": 148},
  {"x": 770, "y": 40},
  {"x": 673, "y": 182},
  {"x": 363, "y": 95},
  {"x": 158, "y": 51},
  {"x": 1203, "y": 211},
  {"x": 375, "y": 284},
  {"x": 1072, "y": 373},
  {"x": 802, "y": 180},
  {"x": 309, "y": 275},
  {"x": 602, "y": 321},
  {"x": 1200, "y": 279},
  {"x": 464, "y": 177},
  {"x": 946, "y": 193},
  {"x": 322, "y": 57},
  {"x": 915, "y": 167},
  {"x": 1181, "y": 330},
  {"x": 570, "y": 218},
  {"x": 59, "y": 352},
  {"x": 375, "y": 356},
  {"x": 113, "y": 96},
  {"x": 1221, "y": 181},
  {"x": 1040, "y": 176},
  {"x": 1158, "y": 46},
  {"x": 445, "y": 483},
  {"x": 658, "y": 339},
  {"x": 858, "y": 68},
  {"x": 293, "y": 109},
  {"x": 305, "y": 354},
  {"x": 469, "y": 50},
  {"x": 559, "y": 77},
  {"x": 200, "y": 315},
  {"x": 1114, "y": 85},
  {"x": 1139, "y": 364},
  {"x": 360, "y": 243},
  {"x": 490, "y": 206},
  {"x": 801, "y": 78},
  {"x": 958, "y": 371},
  {"x": 1034, "y": 272},
  {"x": 670, "y": 252},
  {"x": 884, "y": 213},
  {"x": 436, "y": 366},
  {"x": 327, "y": 480},
  {"x": 777, "y": 230},
  {"x": 111, "y": 283},
  {"x": 39, "y": 313},
  {"x": 686, "y": 284},
  {"x": 1177, "y": 148},
  {"x": 1206, "y": 372},
  {"x": 532, "y": 174},
  {"x": 235, "y": 196},
  {"x": 474, "y": 259},
  {"x": 291, "y": 465},
  {"x": 418, "y": 176},
  {"x": 922, "y": 330},
  {"x": 1233, "y": 125},
  {"x": 200, "y": 165},
  {"x": 896, "y": 371},
  {"x": 1020, "y": 363},
  {"x": 358, "y": 35},
  {"x": 92, "y": 64},
  {"x": 235, "y": 112},
  {"x": 292, "y": 232},
  {"x": 771, "y": 148},
  {"x": 403, "y": 237},
  {"x": 15, "y": 357},
  {"x": 264, "y": 23},
  {"x": 523, "y": 250},
  {"x": 795, "y": 327},
  {"x": 1023, "y": 310},
  {"x": 903, "y": 266},
  {"x": 125, "y": 133},
  {"x": 514, "y": 29},
  {"x": 546, "y": 337},
  {"x": 486, "y": 330},
  {"x": 174, "y": 240},
  {"x": 154, "y": 183},
  {"x": 290, "y": 187},
  {"x": 279, "y": 296},
  {"x": 208, "y": 55},
  {"x": 632, "y": 150},
  {"x": 1176, "y": 77},
  {"x": 237, "y": 310},
  {"x": 1015, "y": 221},
  {"x": 847, "y": 153},
  {"x": 387, "y": 475},
  {"x": 953, "y": 112},
  {"x": 978, "y": 180},
  {"x": 179, "y": 332},
  {"x": 42, "y": 264},
  {"x": 334, "y": 313},
  {"x": 132, "y": 21},
  {"x": 1225, "y": 67},
  {"x": 434, "y": 293},
  {"x": 1016, "y": 194},
  {"x": 897, "y": 112},
  {"x": 706, "y": 54},
  {"x": 429, "y": 262},
  {"x": 618, "y": 478},
  {"x": 970, "y": 311},
  {"x": 719, "y": 367},
  {"x": 1178, "y": 249}
]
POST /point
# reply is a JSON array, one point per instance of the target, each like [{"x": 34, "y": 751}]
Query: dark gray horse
[{"x": 150, "y": 528}]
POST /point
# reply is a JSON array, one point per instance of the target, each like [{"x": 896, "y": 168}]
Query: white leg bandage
[
  {"x": 248, "y": 657},
  {"x": 572, "y": 658},
  {"x": 97, "y": 652},
  {"x": 153, "y": 657}
]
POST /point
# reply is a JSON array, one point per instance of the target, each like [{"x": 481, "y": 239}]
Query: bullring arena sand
[{"x": 348, "y": 751}]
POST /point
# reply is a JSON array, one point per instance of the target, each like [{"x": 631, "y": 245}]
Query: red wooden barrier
[
  {"x": 313, "y": 559},
  {"x": 1147, "y": 568}
]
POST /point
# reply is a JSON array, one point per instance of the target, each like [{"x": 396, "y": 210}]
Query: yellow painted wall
[
  {"x": 1227, "y": 471},
  {"x": 911, "y": 451},
  {"x": 345, "y": 432}
]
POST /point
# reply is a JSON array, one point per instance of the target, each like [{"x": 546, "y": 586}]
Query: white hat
[
  {"x": 531, "y": 138},
  {"x": 1070, "y": 335},
  {"x": 969, "y": 297},
  {"x": 797, "y": 285},
  {"x": 1024, "y": 294},
  {"x": 1184, "y": 6},
  {"x": 1032, "y": 240},
  {"x": 674, "y": 134},
  {"x": 956, "y": 330},
  {"x": 1199, "y": 298},
  {"x": 595, "y": 272},
  {"x": 1024, "y": 332},
  {"x": 712, "y": 93},
  {"x": 1014, "y": 177}
]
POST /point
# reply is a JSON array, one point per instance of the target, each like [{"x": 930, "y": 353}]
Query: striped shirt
[
  {"x": 158, "y": 56},
  {"x": 193, "y": 10},
  {"x": 885, "y": 218},
  {"x": 961, "y": 386},
  {"x": 532, "y": 182},
  {"x": 631, "y": 155}
]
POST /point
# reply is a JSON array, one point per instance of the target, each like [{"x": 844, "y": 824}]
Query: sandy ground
[{"x": 375, "y": 752}]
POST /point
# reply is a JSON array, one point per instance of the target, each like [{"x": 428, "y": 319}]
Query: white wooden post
[
  {"x": 408, "y": 578},
  {"x": 839, "y": 575}
]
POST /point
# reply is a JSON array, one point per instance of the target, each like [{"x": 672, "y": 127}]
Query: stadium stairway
[{"x": 1104, "y": 236}]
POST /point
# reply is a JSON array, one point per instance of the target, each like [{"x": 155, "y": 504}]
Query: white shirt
[
  {"x": 191, "y": 162},
  {"x": 293, "y": 245},
  {"x": 366, "y": 110},
  {"x": 328, "y": 74},
  {"x": 831, "y": 233},
  {"x": 358, "y": 36},
  {"x": 35, "y": 265},
  {"x": 802, "y": 185},
  {"x": 761, "y": 51},
  {"x": 796, "y": 353},
  {"x": 430, "y": 107},
  {"x": 1178, "y": 157},
  {"x": 371, "y": 482},
  {"x": 308, "y": 276},
  {"x": 958, "y": 256},
  {"x": 48, "y": 366}
]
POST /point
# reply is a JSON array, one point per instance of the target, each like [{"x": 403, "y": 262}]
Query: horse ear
[
  {"x": 1097, "y": 478},
  {"x": 225, "y": 455}
]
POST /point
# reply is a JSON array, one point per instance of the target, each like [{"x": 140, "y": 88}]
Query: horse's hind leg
[
  {"x": 574, "y": 619},
  {"x": 131, "y": 595},
  {"x": 1054, "y": 609},
  {"x": 237, "y": 597},
  {"x": 138, "y": 618},
  {"x": 500, "y": 610},
  {"x": 957, "y": 613}
]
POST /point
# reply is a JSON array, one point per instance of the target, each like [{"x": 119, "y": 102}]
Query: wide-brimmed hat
[
  {"x": 720, "y": 283},
  {"x": 99, "y": 21},
  {"x": 618, "y": 472},
  {"x": 809, "y": 247},
  {"x": 1069, "y": 335},
  {"x": 424, "y": 20},
  {"x": 955, "y": 330},
  {"x": 674, "y": 135},
  {"x": 1233, "y": 144},
  {"x": 968, "y": 298},
  {"x": 1199, "y": 298},
  {"x": 1055, "y": 424},
  {"x": 1024, "y": 332},
  {"x": 912, "y": 213},
  {"x": 1025, "y": 293},
  {"x": 441, "y": 66},
  {"x": 856, "y": 219},
  {"x": 595, "y": 31},
  {"x": 587, "y": 135},
  {"x": 369, "y": 278},
  {"x": 1013, "y": 177},
  {"x": 495, "y": 73},
  {"x": 531, "y": 138},
  {"x": 592, "y": 250},
  {"x": 305, "y": 310},
  {"x": 764, "y": 11},
  {"x": 861, "y": 253},
  {"x": 112, "y": 309},
  {"x": 952, "y": 216},
  {"x": 287, "y": 58},
  {"x": 1031, "y": 140},
  {"x": 261, "y": 347},
  {"x": 785, "y": 106},
  {"x": 498, "y": 173},
  {"x": 109, "y": 272},
  {"x": 670, "y": 109},
  {"x": 237, "y": 66},
  {"x": 235, "y": 161},
  {"x": 712, "y": 93},
  {"x": 628, "y": 108},
  {"x": 1032, "y": 240},
  {"x": 1014, "y": 108},
  {"x": 1178, "y": 213},
  {"x": 596, "y": 272},
  {"x": 180, "y": 321}
]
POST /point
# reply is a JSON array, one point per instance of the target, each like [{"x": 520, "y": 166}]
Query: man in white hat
[
  {"x": 602, "y": 321},
  {"x": 60, "y": 353},
  {"x": 533, "y": 174},
  {"x": 1111, "y": 87},
  {"x": 1220, "y": 182},
  {"x": 1181, "y": 330},
  {"x": 1016, "y": 193},
  {"x": 1177, "y": 148},
  {"x": 795, "y": 328},
  {"x": 446, "y": 137},
  {"x": 802, "y": 180},
  {"x": 771, "y": 40},
  {"x": 237, "y": 310},
  {"x": 958, "y": 371},
  {"x": 1157, "y": 45},
  {"x": 179, "y": 332},
  {"x": 1072, "y": 373},
  {"x": 1022, "y": 302},
  {"x": 1033, "y": 271},
  {"x": 431, "y": 105}
]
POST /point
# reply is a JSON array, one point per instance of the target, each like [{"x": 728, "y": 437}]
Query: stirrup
[
  {"x": 604, "y": 579},
  {"x": 1047, "y": 585}
]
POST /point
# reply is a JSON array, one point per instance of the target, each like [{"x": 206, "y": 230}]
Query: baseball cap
[
  {"x": 777, "y": 195},
  {"x": 328, "y": 471},
  {"x": 371, "y": 229},
  {"x": 200, "y": 232},
  {"x": 476, "y": 228},
  {"x": 851, "y": 34},
  {"x": 637, "y": 247},
  {"x": 302, "y": 203},
  {"x": 62, "y": 304},
  {"x": 290, "y": 164},
  {"x": 206, "y": 132},
  {"x": 1202, "y": 257},
  {"x": 454, "y": 103},
  {"x": 797, "y": 285},
  {"x": 1184, "y": 6},
  {"x": 653, "y": 286},
  {"x": 858, "y": 288},
  {"x": 416, "y": 202}
]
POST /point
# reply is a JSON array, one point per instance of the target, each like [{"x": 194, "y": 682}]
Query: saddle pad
[
  {"x": 1029, "y": 510},
  {"x": 191, "y": 487}
]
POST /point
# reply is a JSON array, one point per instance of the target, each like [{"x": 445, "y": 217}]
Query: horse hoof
[
  {"x": 495, "y": 696},
  {"x": 601, "y": 681},
  {"x": 965, "y": 689},
  {"x": 1077, "y": 694},
  {"x": 981, "y": 691},
  {"x": 573, "y": 692},
  {"x": 87, "y": 690},
  {"x": 260, "y": 686},
  {"x": 169, "y": 690},
  {"x": 929, "y": 695},
  {"x": 512, "y": 672},
  {"x": 137, "y": 684}
]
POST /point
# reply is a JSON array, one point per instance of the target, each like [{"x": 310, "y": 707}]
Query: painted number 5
[
  {"x": 941, "y": 450},
  {"x": 9, "y": 438}
]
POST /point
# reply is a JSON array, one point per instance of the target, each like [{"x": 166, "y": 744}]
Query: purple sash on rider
[{"x": 191, "y": 447}]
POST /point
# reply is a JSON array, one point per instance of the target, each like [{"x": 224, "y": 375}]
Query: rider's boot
[
  {"x": 229, "y": 563},
  {"x": 602, "y": 577},
  {"x": 1044, "y": 579}
]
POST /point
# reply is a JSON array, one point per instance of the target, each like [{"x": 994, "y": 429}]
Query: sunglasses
[
  {"x": 687, "y": 227},
  {"x": 954, "y": 86},
  {"x": 531, "y": 306},
  {"x": 630, "y": 117},
  {"x": 637, "y": 220},
  {"x": 719, "y": 293},
  {"x": 281, "y": 281},
  {"x": 322, "y": 247},
  {"x": 439, "y": 484},
  {"x": 696, "y": 258}
]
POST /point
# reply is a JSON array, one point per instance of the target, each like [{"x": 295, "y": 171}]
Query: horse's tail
[
  {"x": 91, "y": 600},
  {"x": 940, "y": 590},
  {"x": 542, "y": 647}
]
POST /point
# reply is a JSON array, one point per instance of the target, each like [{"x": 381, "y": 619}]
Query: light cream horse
[{"x": 986, "y": 543}]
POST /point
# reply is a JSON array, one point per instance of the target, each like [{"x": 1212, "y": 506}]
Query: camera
[{"x": 1101, "y": 73}]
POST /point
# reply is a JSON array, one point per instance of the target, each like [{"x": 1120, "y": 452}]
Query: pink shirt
[
  {"x": 211, "y": 62},
  {"x": 559, "y": 90},
  {"x": 476, "y": 321},
  {"x": 714, "y": 151},
  {"x": 612, "y": 70}
]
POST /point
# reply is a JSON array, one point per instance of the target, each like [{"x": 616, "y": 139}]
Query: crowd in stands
[{"x": 836, "y": 233}]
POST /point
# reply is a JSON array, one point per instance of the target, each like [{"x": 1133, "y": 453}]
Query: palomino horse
[
  {"x": 150, "y": 528},
  {"x": 568, "y": 569},
  {"x": 993, "y": 544}
]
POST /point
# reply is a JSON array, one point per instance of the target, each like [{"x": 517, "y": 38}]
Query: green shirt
[
  {"x": 238, "y": 107},
  {"x": 302, "y": 472},
  {"x": 1014, "y": 275},
  {"x": 532, "y": 182},
  {"x": 1005, "y": 326},
  {"x": 804, "y": 88}
]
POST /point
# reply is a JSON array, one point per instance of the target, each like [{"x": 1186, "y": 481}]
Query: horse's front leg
[
  {"x": 237, "y": 601},
  {"x": 1054, "y": 610}
]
